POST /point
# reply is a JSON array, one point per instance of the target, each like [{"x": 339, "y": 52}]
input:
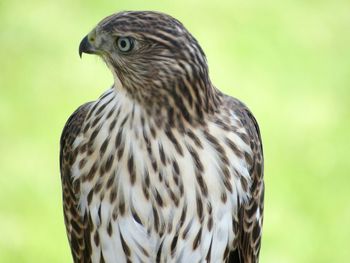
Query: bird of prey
[{"x": 163, "y": 167}]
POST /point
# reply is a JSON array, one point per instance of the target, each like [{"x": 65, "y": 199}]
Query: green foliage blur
[{"x": 289, "y": 61}]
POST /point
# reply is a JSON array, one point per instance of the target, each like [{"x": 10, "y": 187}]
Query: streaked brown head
[{"x": 155, "y": 59}]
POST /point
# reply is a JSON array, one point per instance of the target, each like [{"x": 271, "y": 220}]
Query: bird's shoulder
[
  {"x": 250, "y": 213},
  {"x": 71, "y": 130},
  {"x": 244, "y": 115},
  {"x": 76, "y": 226}
]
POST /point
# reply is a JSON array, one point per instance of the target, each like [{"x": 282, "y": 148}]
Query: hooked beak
[{"x": 86, "y": 47}]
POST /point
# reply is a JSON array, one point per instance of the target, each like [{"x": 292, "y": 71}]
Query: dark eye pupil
[{"x": 123, "y": 43}]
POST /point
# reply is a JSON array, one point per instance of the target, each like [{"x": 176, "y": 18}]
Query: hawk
[{"x": 163, "y": 167}]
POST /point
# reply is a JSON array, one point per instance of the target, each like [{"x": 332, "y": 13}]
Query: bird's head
[{"x": 155, "y": 59}]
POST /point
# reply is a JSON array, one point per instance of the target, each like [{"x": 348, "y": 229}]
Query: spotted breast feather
[{"x": 136, "y": 193}]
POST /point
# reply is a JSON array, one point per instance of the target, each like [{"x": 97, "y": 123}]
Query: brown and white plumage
[{"x": 163, "y": 167}]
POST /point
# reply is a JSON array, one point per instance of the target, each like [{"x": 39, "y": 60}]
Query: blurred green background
[{"x": 288, "y": 60}]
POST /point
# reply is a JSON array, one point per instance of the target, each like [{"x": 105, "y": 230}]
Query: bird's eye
[{"x": 125, "y": 44}]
